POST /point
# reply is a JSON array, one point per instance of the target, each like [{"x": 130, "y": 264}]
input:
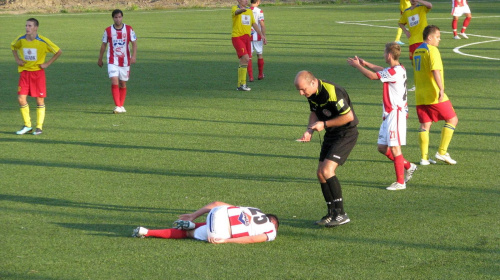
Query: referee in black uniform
[{"x": 331, "y": 110}]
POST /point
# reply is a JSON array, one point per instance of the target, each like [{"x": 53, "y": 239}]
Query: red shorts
[
  {"x": 413, "y": 47},
  {"x": 242, "y": 45},
  {"x": 435, "y": 112},
  {"x": 32, "y": 83}
]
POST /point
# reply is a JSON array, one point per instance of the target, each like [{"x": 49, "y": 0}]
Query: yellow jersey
[
  {"x": 427, "y": 58},
  {"x": 403, "y": 5},
  {"x": 242, "y": 23},
  {"x": 416, "y": 19},
  {"x": 33, "y": 52}
]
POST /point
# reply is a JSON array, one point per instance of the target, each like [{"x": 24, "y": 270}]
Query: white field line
[{"x": 456, "y": 50}]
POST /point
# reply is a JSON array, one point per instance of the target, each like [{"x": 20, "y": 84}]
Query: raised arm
[{"x": 203, "y": 210}]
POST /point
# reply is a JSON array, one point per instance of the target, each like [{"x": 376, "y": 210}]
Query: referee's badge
[{"x": 327, "y": 113}]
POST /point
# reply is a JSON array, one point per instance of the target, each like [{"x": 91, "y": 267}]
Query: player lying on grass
[{"x": 225, "y": 223}]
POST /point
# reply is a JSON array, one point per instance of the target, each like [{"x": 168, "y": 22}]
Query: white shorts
[
  {"x": 393, "y": 129},
  {"x": 258, "y": 46},
  {"x": 217, "y": 225},
  {"x": 121, "y": 72},
  {"x": 459, "y": 11}
]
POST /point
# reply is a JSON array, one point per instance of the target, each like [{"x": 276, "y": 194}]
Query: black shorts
[{"x": 337, "y": 146}]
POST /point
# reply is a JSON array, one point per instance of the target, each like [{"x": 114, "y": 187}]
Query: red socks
[
  {"x": 170, "y": 233},
  {"x": 119, "y": 95},
  {"x": 115, "y": 91},
  {"x": 123, "y": 94},
  {"x": 466, "y": 23},
  {"x": 260, "y": 64},
  {"x": 250, "y": 70},
  {"x": 400, "y": 169}
]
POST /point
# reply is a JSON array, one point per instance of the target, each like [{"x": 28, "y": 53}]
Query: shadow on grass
[{"x": 36, "y": 200}]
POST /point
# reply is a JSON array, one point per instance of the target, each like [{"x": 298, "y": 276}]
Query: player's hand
[
  {"x": 318, "y": 126},
  {"x": 99, "y": 63},
  {"x": 354, "y": 61},
  {"x": 306, "y": 137},
  {"x": 441, "y": 95},
  {"x": 264, "y": 40},
  {"x": 20, "y": 62},
  {"x": 216, "y": 240},
  {"x": 132, "y": 60}
]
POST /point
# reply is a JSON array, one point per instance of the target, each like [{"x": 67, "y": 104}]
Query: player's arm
[
  {"x": 403, "y": 27},
  {"x": 241, "y": 240},
  {"x": 360, "y": 64},
  {"x": 335, "y": 122},
  {"x": 203, "y": 210},
  {"x": 439, "y": 82},
  {"x": 19, "y": 61},
  {"x": 101, "y": 54},
  {"x": 257, "y": 28},
  {"x": 425, "y": 3},
  {"x": 134, "y": 52},
  {"x": 306, "y": 137},
  {"x": 263, "y": 27},
  {"x": 54, "y": 58},
  {"x": 239, "y": 11}
]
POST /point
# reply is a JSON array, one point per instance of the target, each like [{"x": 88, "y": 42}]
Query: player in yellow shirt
[
  {"x": 243, "y": 20},
  {"x": 29, "y": 51},
  {"x": 403, "y": 5},
  {"x": 432, "y": 102},
  {"x": 416, "y": 19}
]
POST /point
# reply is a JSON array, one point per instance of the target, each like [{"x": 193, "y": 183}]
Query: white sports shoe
[
  {"x": 412, "y": 89},
  {"x": 409, "y": 172},
  {"x": 123, "y": 109},
  {"x": 117, "y": 110},
  {"x": 140, "y": 232},
  {"x": 446, "y": 158},
  {"x": 463, "y": 35},
  {"x": 457, "y": 37},
  {"x": 396, "y": 187},
  {"x": 243, "y": 88},
  {"x": 427, "y": 162},
  {"x": 184, "y": 225}
]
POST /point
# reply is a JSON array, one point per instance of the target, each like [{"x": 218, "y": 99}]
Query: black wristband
[{"x": 324, "y": 124}]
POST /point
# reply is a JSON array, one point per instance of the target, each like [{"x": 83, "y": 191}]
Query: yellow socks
[
  {"x": 398, "y": 35},
  {"x": 423, "y": 140},
  {"x": 446, "y": 135},
  {"x": 40, "y": 116},
  {"x": 25, "y": 112},
  {"x": 242, "y": 75}
]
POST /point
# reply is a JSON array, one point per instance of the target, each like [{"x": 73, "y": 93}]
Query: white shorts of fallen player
[
  {"x": 121, "y": 72},
  {"x": 217, "y": 225},
  {"x": 393, "y": 129}
]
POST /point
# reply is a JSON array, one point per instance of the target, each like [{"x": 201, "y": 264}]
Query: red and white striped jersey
[
  {"x": 118, "y": 48},
  {"x": 395, "y": 94},
  {"x": 458, "y": 3},
  {"x": 258, "y": 14}
]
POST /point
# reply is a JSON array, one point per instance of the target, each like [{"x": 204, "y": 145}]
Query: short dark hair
[
  {"x": 274, "y": 218},
  {"x": 117, "y": 11},
  {"x": 34, "y": 20},
  {"x": 253, "y": 1},
  {"x": 430, "y": 29}
]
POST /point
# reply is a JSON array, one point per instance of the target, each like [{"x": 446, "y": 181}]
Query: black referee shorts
[{"x": 338, "y": 145}]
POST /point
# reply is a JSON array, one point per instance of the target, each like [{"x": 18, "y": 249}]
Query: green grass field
[{"x": 70, "y": 198}]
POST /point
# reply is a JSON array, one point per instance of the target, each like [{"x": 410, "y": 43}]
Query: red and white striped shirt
[
  {"x": 394, "y": 95},
  {"x": 119, "y": 40}
]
